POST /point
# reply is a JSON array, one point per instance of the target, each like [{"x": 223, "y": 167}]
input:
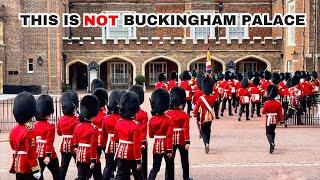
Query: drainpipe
[
  {"x": 304, "y": 40},
  {"x": 283, "y": 44}
]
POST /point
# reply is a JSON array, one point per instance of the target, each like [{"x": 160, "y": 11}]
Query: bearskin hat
[
  {"x": 207, "y": 86},
  {"x": 220, "y": 76},
  {"x": 227, "y": 75},
  {"x": 276, "y": 78},
  {"x": 256, "y": 74},
  {"x": 272, "y": 91},
  {"x": 69, "y": 102},
  {"x": 249, "y": 74},
  {"x": 139, "y": 91},
  {"x": 159, "y": 101},
  {"x": 308, "y": 77},
  {"x": 298, "y": 73},
  {"x": 194, "y": 73},
  {"x": 295, "y": 80},
  {"x": 44, "y": 107},
  {"x": 89, "y": 107},
  {"x": 282, "y": 76},
  {"x": 96, "y": 83},
  {"x": 102, "y": 96},
  {"x": 24, "y": 107},
  {"x": 244, "y": 83},
  {"x": 256, "y": 81},
  {"x": 261, "y": 74},
  {"x": 114, "y": 100},
  {"x": 173, "y": 75},
  {"x": 239, "y": 76},
  {"x": 177, "y": 97},
  {"x": 162, "y": 77},
  {"x": 186, "y": 75},
  {"x": 303, "y": 74},
  {"x": 287, "y": 76},
  {"x": 288, "y": 84},
  {"x": 267, "y": 75},
  {"x": 314, "y": 74},
  {"x": 200, "y": 77},
  {"x": 129, "y": 105}
]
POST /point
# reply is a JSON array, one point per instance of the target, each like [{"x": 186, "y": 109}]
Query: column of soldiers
[{"x": 116, "y": 125}]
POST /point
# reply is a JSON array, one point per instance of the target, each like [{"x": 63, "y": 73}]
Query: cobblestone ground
[{"x": 238, "y": 150}]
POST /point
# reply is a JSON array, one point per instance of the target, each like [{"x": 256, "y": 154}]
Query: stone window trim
[
  {"x": 239, "y": 30},
  {"x": 194, "y": 30},
  {"x": 119, "y": 73},
  {"x": 291, "y": 30}
]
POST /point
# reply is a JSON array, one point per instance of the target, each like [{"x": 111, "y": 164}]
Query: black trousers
[
  {"x": 157, "y": 159},
  {"x": 144, "y": 154},
  {"x": 83, "y": 171},
  {"x": 237, "y": 104},
  {"x": 234, "y": 100},
  {"x": 189, "y": 106},
  {"x": 184, "y": 154},
  {"x": 198, "y": 122},
  {"x": 206, "y": 132},
  {"x": 96, "y": 171},
  {"x": 124, "y": 168},
  {"x": 270, "y": 132},
  {"x": 111, "y": 166},
  {"x": 65, "y": 161},
  {"x": 224, "y": 104},
  {"x": 244, "y": 107},
  {"x": 216, "y": 108},
  {"x": 25, "y": 176},
  {"x": 53, "y": 167},
  {"x": 303, "y": 103},
  {"x": 255, "y": 106}
]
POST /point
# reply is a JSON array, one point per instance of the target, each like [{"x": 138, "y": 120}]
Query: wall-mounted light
[
  {"x": 295, "y": 54},
  {"x": 40, "y": 60},
  {"x": 220, "y": 7}
]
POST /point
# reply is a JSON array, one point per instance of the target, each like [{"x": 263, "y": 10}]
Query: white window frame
[
  {"x": 28, "y": 66},
  {"x": 132, "y": 31},
  {"x": 193, "y": 28},
  {"x": 196, "y": 65},
  {"x": 153, "y": 78},
  {"x": 125, "y": 67},
  {"x": 245, "y": 28},
  {"x": 253, "y": 64},
  {"x": 291, "y": 31},
  {"x": 289, "y": 66}
]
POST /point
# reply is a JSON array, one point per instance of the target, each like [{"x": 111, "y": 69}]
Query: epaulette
[
  {"x": 137, "y": 123},
  {"x": 28, "y": 127}
]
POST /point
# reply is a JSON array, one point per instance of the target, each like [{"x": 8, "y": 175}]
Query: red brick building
[{"x": 51, "y": 57}]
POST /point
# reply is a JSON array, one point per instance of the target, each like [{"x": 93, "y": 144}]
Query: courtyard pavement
[{"x": 238, "y": 150}]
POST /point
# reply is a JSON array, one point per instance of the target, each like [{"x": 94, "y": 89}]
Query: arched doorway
[
  {"x": 200, "y": 64},
  {"x": 252, "y": 63},
  {"x": 117, "y": 72},
  {"x": 78, "y": 76},
  {"x": 153, "y": 67}
]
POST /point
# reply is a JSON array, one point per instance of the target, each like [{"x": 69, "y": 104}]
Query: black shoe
[
  {"x": 207, "y": 148},
  {"x": 200, "y": 136},
  {"x": 272, "y": 148},
  {"x": 259, "y": 115},
  {"x": 221, "y": 114},
  {"x": 217, "y": 118},
  {"x": 239, "y": 119},
  {"x": 252, "y": 115},
  {"x": 230, "y": 114},
  {"x": 247, "y": 119}
]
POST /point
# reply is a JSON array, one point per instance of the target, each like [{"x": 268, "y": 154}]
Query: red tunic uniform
[
  {"x": 172, "y": 84},
  {"x": 161, "y": 129},
  {"x": 225, "y": 89},
  {"x": 187, "y": 87},
  {"x": 45, "y": 133},
  {"x": 295, "y": 94},
  {"x": 237, "y": 85},
  {"x": 255, "y": 94},
  {"x": 211, "y": 99},
  {"x": 128, "y": 135},
  {"x": 197, "y": 95},
  {"x": 307, "y": 88},
  {"x": 97, "y": 121},
  {"x": 142, "y": 119},
  {"x": 65, "y": 129},
  {"x": 22, "y": 142},
  {"x": 180, "y": 120},
  {"x": 273, "y": 110},
  {"x": 108, "y": 127},
  {"x": 244, "y": 96},
  {"x": 160, "y": 85},
  {"x": 264, "y": 86},
  {"x": 85, "y": 137}
]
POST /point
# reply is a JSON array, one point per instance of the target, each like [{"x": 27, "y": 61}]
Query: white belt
[
  {"x": 125, "y": 142},
  {"x": 84, "y": 145},
  {"x": 160, "y": 137},
  {"x": 67, "y": 136},
  {"x": 41, "y": 141},
  {"x": 100, "y": 129},
  {"x": 272, "y": 114},
  {"x": 21, "y": 152},
  {"x": 177, "y": 129}
]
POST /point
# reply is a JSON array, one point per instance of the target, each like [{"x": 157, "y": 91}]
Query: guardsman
[
  {"x": 272, "y": 109},
  {"x": 226, "y": 93},
  {"x": 108, "y": 127},
  {"x": 25, "y": 163},
  {"x": 65, "y": 128},
  {"x": 96, "y": 83},
  {"x": 102, "y": 96},
  {"x": 142, "y": 118},
  {"x": 193, "y": 81},
  {"x": 197, "y": 94},
  {"x": 181, "y": 134},
  {"x": 128, "y": 136},
  {"x": 256, "y": 96},
  {"x": 162, "y": 82},
  {"x": 161, "y": 129},
  {"x": 184, "y": 84},
  {"x": 237, "y": 86},
  {"x": 244, "y": 98},
  {"x": 205, "y": 105},
  {"x": 295, "y": 95},
  {"x": 45, "y": 134},
  {"x": 315, "y": 81},
  {"x": 250, "y": 76},
  {"x": 308, "y": 90},
  {"x": 173, "y": 80},
  {"x": 85, "y": 137},
  {"x": 264, "y": 85}
]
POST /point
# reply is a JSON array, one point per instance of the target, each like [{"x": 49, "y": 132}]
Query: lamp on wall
[
  {"x": 40, "y": 60},
  {"x": 220, "y": 7},
  {"x": 295, "y": 54}
]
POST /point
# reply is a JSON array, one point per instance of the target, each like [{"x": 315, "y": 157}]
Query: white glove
[
  {"x": 37, "y": 175},
  {"x": 46, "y": 160},
  {"x": 92, "y": 165}
]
